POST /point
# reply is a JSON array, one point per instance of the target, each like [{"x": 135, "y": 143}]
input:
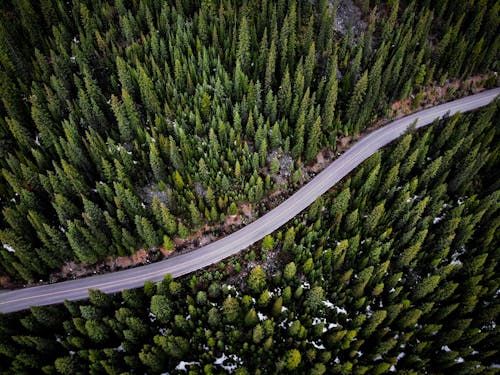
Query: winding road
[{"x": 185, "y": 263}]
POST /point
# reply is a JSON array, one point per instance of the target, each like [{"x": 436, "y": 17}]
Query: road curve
[{"x": 183, "y": 264}]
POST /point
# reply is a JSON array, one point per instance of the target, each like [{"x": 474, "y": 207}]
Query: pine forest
[{"x": 130, "y": 125}]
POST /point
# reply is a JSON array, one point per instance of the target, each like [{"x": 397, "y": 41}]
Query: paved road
[{"x": 180, "y": 265}]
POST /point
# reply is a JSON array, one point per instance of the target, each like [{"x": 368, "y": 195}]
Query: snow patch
[
  {"x": 182, "y": 365},
  {"x": 231, "y": 366},
  {"x": 437, "y": 219},
  {"x": 340, "y": 310},
  {"x": 9, "y": 248},
  {"x": 446, "y": 348},
  {"x": 321, "y": 346}
]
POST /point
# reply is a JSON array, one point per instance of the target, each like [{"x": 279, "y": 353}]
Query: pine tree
[
  {"x": 243, "y": 50},
  {"x": 313, "y": 140},
  {"x": 354, "y": 108}
]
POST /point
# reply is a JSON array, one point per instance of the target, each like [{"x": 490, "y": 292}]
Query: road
[{"x": 183, "y": 264}]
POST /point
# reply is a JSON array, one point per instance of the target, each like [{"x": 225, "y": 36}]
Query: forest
[
  {"x": 393, "y": 270},
  {"x": 128, "y": 124}
]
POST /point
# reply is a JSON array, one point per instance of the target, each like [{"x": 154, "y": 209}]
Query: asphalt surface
[{"x": 183, "y": 264}]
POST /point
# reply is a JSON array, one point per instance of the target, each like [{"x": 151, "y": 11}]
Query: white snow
[
  {"x": 182, "y": 365},
  {"x": 459, "y": 360},
  {"x": 437, "y": 219},
  {"x": 321, "y": 346},
  {"x": 231, "y": 367},
  {"x": 152, "y": 317},
  {"x": 392, "y": 290},
  {"x": 328, "y": 304},
  {"x": 337, "y": 360},
  {"x": 401, "y": 355},
  {"x": 261, "y": 316},
  {"x": 120, "y": 348},
  {"x": 282, "y": 324},
  {"x": 340, "y": 310},
  {"x": 318, "y": 321},
  {"x": 378, "y": 358},
  {"x": 392, "y": 369},
  {"x": 8, "y": 248},
  {"x": 446, "y": 348},
  {"x": 368, "y": 311},
  {"x": 37, "y": 140}
]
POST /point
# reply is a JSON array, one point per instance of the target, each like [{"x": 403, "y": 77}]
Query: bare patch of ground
[
  {"x": 348, "y": 16},
  {"x": 434, "y": 94},
  {"x": 246, "y": 208}
]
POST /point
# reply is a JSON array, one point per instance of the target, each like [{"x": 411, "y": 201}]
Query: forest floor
[{"x": 427, "y": 97}]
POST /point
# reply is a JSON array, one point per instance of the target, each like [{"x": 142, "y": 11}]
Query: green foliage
[
  {"x": 124, "y": 124},
  {"x": 292, "y": 359},
  {"x": 257, "y": 279}
]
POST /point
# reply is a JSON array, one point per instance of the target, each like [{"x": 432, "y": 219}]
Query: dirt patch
[
  {"x": 434, "y": 95},
  {"x": 6, "y": 282},
  {"x": 232, "y": 220},
  {"x": 323, "y": 158},
  {"x": 246, "y": 208},
  {"x": 343, "y": 143}
]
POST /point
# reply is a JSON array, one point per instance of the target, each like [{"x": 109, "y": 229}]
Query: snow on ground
[
  {"x": 437, "y": 219},
  {"x": 182, "y": 365},
  {"x": 261, "y": 316},
  {"x": 9, "y": 248},
  {"x": 228, "y": 367},
  {"x": 340, "y": 310},
  {"x": 318, "y": 321},
  {"x": 446, "y": 348},
  {"x": 152, "y": 317},
  {"x": 321, "y": 346}
]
